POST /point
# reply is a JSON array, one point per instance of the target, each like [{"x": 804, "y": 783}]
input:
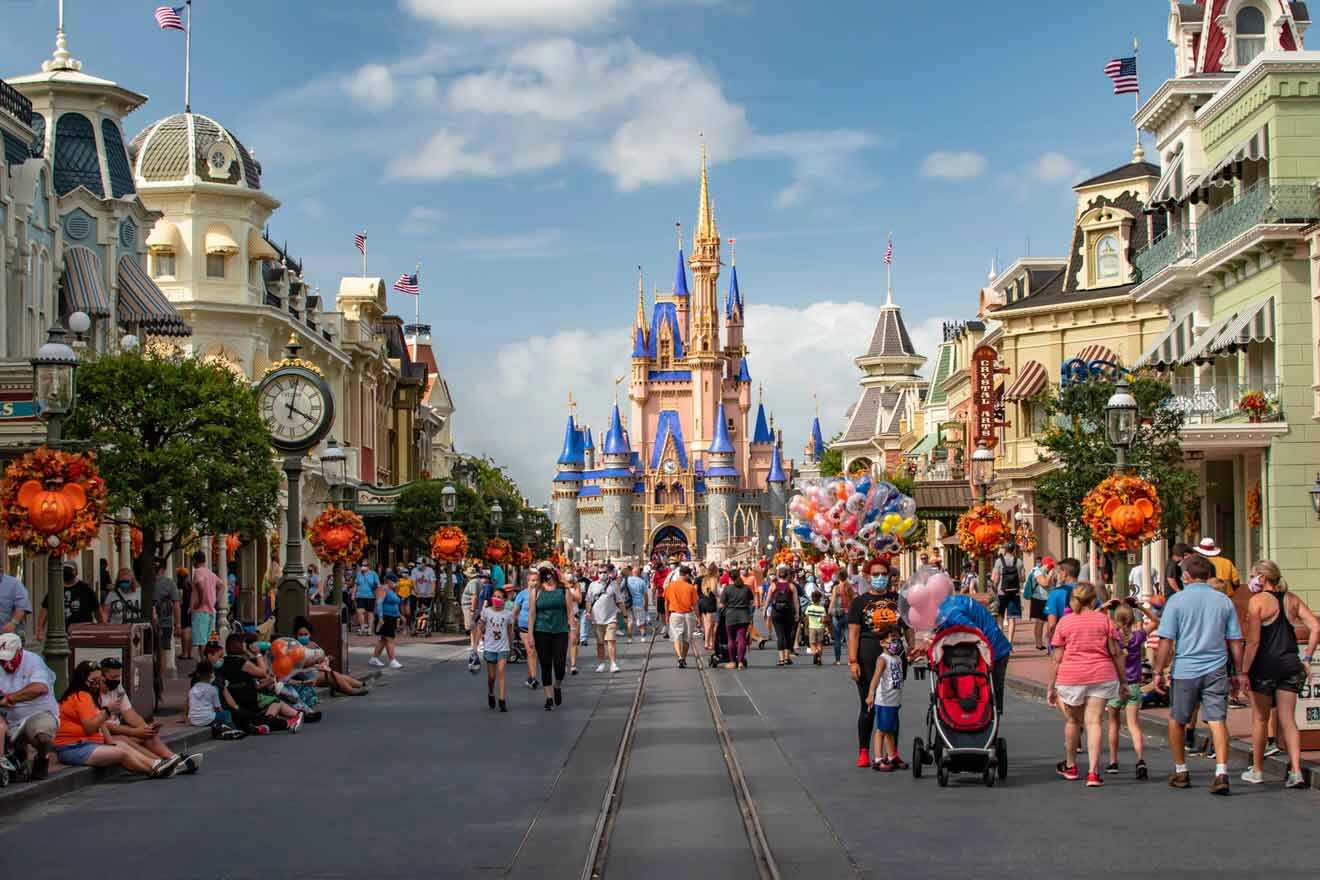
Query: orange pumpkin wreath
[
  {"x": 982, "y": 530},
  {"x": 1123, "y": 512},
  {"x": 52, "y": 501},
  {"x": 338, "y": 536},
  {"x": 449, "y": 544},
  {"x": 498, "y": 550}
]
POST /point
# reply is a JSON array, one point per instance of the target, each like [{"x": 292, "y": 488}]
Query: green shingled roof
[{"x": 943, "y": 369}]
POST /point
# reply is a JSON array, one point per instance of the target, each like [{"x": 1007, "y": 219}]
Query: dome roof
[{"x": 189, "y": 144}]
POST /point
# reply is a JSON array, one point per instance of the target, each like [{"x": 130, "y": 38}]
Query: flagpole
[
  {"x": 187, "y": 61},
  {"x": 889, "y": 274},
  {"x": 417, "y": 317},
  {"x": 365, "y": 245},
  {"x": 1136, "y": 96}
]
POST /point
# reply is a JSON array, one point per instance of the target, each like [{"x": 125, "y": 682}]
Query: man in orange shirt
[{"x": 681, "y": 601}]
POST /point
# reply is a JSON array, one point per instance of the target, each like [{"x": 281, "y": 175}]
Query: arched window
[
  {"x": 659, "y": 493},
  {"x": 1250, "y": 34},
  {"x": 1106, "y": 258},
  {"x": 76, "y": 162},
  {"x": 678, "y": 494},
  {"x": 121, "y": 178}
]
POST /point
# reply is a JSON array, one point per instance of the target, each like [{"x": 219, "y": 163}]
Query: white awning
[
  {"x": 1253, "y": 324},
  {"x": 219, "y": 240},
  {"x": 1170, "y": 187},
  {"x": 1253, "y": 148},
  {"x": 1169, "y": 349},
  {"x": 259, "y": 248},
  {"x": 164, "y": 238}
]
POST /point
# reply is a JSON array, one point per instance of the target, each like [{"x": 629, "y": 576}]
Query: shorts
[
  {"x": 886, "y": 719},
  {"x": 467, "y": 618},
  {"x": 1210, "y": 690},
  {"x": 605, "y": 632},
  {"x": 1036, "y": 609},
  {"x": 35, "y": 725},
  {"x": 817, "y": 637},
  {"x": 389, "y": 627},
  {"x": 1010, "y": 606},
  {"x": 681, "y": 625},
  {"x": 1267, "y": 687},
  {"x": 166, "y": 638},
  {"x": 367, "y": 604},
  {"x": 494, "y": 656},
  {"x": 201, "y": 626},
  {"x": 77, "y": 754},
  {"x": 637, "y": 615},
  {"x": 1078, "y": 694},
  {"x": 1128, "y": 695}
]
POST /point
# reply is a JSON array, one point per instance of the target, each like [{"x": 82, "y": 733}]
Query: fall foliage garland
[
  {"x": 981, "y": 530},
  {"x": 338, "y": 536},
  {"x": 1123, "y": 512},
  {"x": 63, "y": 490}
]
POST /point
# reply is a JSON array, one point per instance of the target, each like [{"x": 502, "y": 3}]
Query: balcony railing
[
  {"x": 1268, "y": 201},
  {"x": 15, "y": 104},
  {"x": 1219, "y": 402},
  {"x": 1174, "y": 244}
]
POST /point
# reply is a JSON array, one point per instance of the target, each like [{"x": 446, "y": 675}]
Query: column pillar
[{"x": 222, "y": 600}]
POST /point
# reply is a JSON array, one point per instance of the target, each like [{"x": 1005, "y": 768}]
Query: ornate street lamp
[
  {"x": 334, "y": 465},
  {"x": 448, "y": 502},
  {"x": 1315, "y": 496},
  {"x": 1120, "y": 428},
  {"x": 983, "y": 475},
  {"x": 496, "y": 517},
  {"x": 53, "y": 396}
]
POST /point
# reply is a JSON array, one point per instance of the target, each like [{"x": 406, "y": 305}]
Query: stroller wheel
[
  {"x": 988, "y": 776},
  {"x": 942, "y": 774},
  {"x": 1001, "y": 758},
  {"x": 918, "y": 757}
]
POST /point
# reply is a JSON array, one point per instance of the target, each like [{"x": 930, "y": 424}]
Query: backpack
[
  {"x": 783, "y": 602},
  {"x": 1010, "y": 580}
]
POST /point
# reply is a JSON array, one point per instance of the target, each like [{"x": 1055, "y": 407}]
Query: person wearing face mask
[
  {"x": 886, "y": 697},
  {"x": 868, "y": 617},
  {"x": 28, "y": 712},
  {"x": 125, "y": 727},
  {"x": 123, "y": 603},
  {"x": 391, "y": 609},
  {"x": 247, "y": 683},
  {"x": 81, "y": 740},
  {"x": 323, "y": 674},
  {"x": 364, "y": 597},
  {"x": 496, "y": 629}
]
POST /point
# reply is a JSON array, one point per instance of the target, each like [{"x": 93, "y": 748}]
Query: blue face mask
[
  {"x": 304, "y": 640},
  {"x": 879, "y": 581},
  {"x": 124, "y": 585}
]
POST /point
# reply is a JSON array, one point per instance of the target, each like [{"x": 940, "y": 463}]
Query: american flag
[
  {"x": 168, "y": 18},
  {"x": 360, "y": 239},
  {"x": 407, "y": 284},
  {"x": 889, "y": 253},
  {"x": 1123, "y": 71}
]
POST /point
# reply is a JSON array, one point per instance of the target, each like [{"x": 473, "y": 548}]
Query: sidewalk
[{"x": 1029, "y": 674}]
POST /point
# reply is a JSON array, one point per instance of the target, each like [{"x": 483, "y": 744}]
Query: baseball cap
[{"x": 10, "y": 645}]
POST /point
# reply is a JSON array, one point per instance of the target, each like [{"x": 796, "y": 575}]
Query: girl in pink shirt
[{"x": 1087, "y": 670}]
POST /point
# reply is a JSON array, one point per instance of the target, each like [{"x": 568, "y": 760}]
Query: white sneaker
[
  {"x": 600, "y": 667},
  {"x": 395, "y": 664},
  {"x": 375, "y": 661},
  {"x": 1271, "y": 749},
  {"x": 1252, "y": 776},
  {"x": 614, "y": 667}
]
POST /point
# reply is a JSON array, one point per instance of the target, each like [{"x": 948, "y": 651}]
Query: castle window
[
  {"x": 215, "y": 265},
  {"x": 1106, "y": 258},
  {"x": 1250, "y": 34},
  {"x": 659, "y": 493},
  {"x": 678, "y": 494},
  {"x": 162, "y": 264}
]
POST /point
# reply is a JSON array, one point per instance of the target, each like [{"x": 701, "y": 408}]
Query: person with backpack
[
  {"x": 784, "y": 613},
  {"x": 1037, "y": 590},
  {"x": 1008, "y": 577}
]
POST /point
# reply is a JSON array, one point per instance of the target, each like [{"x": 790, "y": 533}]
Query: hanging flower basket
[
  {"x": 135, "y": 542},
  {"x": 982, "y": 530},
  {"x": 1123, "y": 512},
  {"x": 52, "y": 501},
  {"x": 1025, "y": 537},
  {"x": 449, "y": 544},
  {"x": 523, "y": 557},
  {"x": 338, "y": 536},
  {"x": 785, "y": 557},
  {"x": 498, "y": 550}
]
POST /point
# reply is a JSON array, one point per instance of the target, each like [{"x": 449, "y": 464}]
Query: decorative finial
[
  {"x": 705, "y": 230},
  {"x": 1138, "y": 154},
  {"x": 733, "y": 254},
  {"x": 816, "y": 402},
  {"x": 572, "y": 404},
  {"x": 760, "y": 392},
  {"x": 641, "y": 299},
  {"x": 61, "y": 59},
  {"x": 616, "y": 388},
  {"x": 679, "y": 226}
]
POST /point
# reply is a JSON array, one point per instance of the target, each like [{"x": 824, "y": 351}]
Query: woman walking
[
  {"x": 708, "y": 605},
  {"x": 841, "y": 597},
  {"x": 1087, "y": 670},
  {"x": 1275, "y": 671},
  {"x": 739, "y": 602},
  {"x": 783, "y": 612},
  {"x": 552, "y": 608},
  {"x": 391, "y": 609}
]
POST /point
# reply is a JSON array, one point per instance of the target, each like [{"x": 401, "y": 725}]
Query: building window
[
  {"x": 1039, "y": 418},
  {"x": 1106, "y": 258},
  {"x": 215, "y": 265},
  {"x": 162, "y": 264},
  {"x": 1250, "y": 34}
]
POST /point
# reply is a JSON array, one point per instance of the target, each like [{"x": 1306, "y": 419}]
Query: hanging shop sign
[{"x": 987, "y": 412}]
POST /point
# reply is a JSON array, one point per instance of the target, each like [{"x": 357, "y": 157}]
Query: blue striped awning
[
  {"x": 142, "y": 303},
  {"x": 84, "y": 291}
]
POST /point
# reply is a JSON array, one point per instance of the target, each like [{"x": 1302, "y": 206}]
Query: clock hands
[{"x": 294, "y": 410}]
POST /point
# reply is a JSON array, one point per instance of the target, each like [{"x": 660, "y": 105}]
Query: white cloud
[
  {"x": 793, "y": 351},
  {"x": 538, "y": 243},
  {"x": 371, "y": 85},
  {"x": 448, "y": 154},
  {"x": 512, "y": 14},
  {"x": 953, "y": 165},
  {"x": 420, "y": 220},
  {"x": 1053, "y": 167}
]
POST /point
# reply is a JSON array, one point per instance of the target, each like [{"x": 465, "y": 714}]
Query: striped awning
[
  {"x": 84, "y": 291},
  {"x": 1200, "y": 349},
  {"x": 1029, "y": 382},
  {"x": 142, "y": 304},
  {"x": 1227, "y": 170},
  {"x": 1170, "y": 349},
  {"x": 1170, "y": 187},
  {"x": 1097, "y": 352},
  {"x": 1254, "y": 324}
]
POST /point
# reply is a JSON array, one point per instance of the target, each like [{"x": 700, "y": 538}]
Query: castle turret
[
  {"x": 568, "y": 483},
  {"x": 733, "y": 316},
  {"x": 588, "y": 449},
  {"x": 776, "y": 484},
  {"x": 721, "y": 489},
  {"x": 615, "y": 477},
  {"x": 682, "y": 298}
]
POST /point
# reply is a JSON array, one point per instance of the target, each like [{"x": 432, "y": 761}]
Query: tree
[
  {"x": 831, "y": 462},
  {"x": 181, "y": 444},
  {"x": 1075, "y": 440}
]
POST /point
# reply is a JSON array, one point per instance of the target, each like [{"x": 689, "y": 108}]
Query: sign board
[
  {"x": 15, "y": 410},
  {"x": 983, "y": 396},
  {"x": 1308, "y": 700}
]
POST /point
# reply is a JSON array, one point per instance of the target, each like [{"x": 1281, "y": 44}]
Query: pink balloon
[
  {"x": 924, "y": 600},
  {"x": 849, "y": 526}
]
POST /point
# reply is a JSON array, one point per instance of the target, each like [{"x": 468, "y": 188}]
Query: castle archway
[{"x": 669, "y": 541}]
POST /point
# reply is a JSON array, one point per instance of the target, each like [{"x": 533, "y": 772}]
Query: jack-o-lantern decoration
[
  {"x": 982, "y": 530},
  {"x": 1123, "y": 512},
  {"x": 52, "y": 501},
  {"x": 523, "y": 557},
  {"x": 338, "y": 537},
  {"x": 449, "y": 544},
  {"x": 498, "y": 550}
]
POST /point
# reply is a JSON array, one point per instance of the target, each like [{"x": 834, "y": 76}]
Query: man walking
[
  {"x": 1008, "y": 577},
  {"x": 681, "y": 602},
  {"x": 637, "y": 609},
  {"x": 605, "y": 599},
  {"x": 1200, "y": 629},
  {"x": 1224, "y": 569}
]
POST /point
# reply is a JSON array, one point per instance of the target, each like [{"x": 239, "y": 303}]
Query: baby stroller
[
  {"x": 721, "y": 654},
  {"x": 423, "y": 622},
  {"x": 962, "y": 726}
]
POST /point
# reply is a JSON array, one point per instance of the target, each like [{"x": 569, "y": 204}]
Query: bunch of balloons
[
  {"x": 920, "y": 600},
  {"x": 852, "y": 518}
]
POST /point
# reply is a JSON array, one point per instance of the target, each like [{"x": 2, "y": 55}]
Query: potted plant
[{"x": 1254, "y": 404}]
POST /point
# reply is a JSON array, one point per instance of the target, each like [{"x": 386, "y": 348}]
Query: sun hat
[{"x": 1208, "y": 547}]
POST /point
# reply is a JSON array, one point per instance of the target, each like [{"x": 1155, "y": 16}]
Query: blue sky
[{"x": 531, "y": 153}]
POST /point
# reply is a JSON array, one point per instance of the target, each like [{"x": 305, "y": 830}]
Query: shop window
[
  {"x": 162, "y": 264},
  {"x": 215, "y": 265}
]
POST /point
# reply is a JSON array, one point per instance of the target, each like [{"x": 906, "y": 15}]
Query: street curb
[{"x": 1159, "y": 731}]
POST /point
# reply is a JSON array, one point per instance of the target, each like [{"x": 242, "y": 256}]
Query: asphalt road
[{"x": 420, "y": 779}]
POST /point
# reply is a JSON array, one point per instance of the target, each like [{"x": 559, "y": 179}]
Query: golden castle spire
[
  {"x": 705, "y": 230},
  {"x": 641, "y": 299}
]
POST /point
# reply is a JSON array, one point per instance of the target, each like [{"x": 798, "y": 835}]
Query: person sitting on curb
[
  {"x": 81, "y": 741},
  {"x": 126, "y": 727},
  {"x": 244, "y": 685},
  {"x": 28, "y": 712},
  {"x": 325, "y": 676}
]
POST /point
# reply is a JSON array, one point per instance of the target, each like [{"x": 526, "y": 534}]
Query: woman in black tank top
[{"x": 1276, "y": 671}]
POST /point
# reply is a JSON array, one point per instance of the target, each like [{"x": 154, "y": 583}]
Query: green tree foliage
[
  {"x": 1075, "y": 439},
  {"x": 181, "y": 444},
  {"x": 831, "y": 463}
]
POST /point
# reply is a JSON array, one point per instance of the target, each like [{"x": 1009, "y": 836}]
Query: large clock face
[
  {"x": 669, "y": 466},
  {"x": 296, "y": 407}
]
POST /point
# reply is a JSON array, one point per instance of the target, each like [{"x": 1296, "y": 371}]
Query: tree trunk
[{"x": 146, "y": 571}]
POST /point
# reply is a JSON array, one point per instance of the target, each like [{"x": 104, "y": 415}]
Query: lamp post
[
  {"x": 53, "y": 396},
  {"x": 1315, "y": 496},
  {"x": 448, "y": 503},
  {"x": 1120, "y": 428},
  {"x": 333, "y": 466},
  {"x": 983, "y": 475}
]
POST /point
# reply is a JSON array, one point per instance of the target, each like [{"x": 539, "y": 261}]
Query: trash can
[
  {"x": 131, "y": 645},
  {"x": 329, "y": 631}
]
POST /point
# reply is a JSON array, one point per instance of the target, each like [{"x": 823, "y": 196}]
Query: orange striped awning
[
  {"x": 1029, "y": 382},
  {"x": 1097, "y": 352}
]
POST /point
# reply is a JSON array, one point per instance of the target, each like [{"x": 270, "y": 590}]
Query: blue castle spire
[
  {"x": 733, "y": 305},
  {"x": 587, "y": 441},
  {"x": 762, "y": 433},
  {"x": 680, "y": 282},
  {"x": 776, "y": 474},
  {"x": 573, "y": 452},
  {"x": 639, "y": 343},
  {"x": 722, "y": 442},
  {"x": 616, "y": 441},
  {"x": 817, "y": 443},
  {"x": 744, "y": 375}
]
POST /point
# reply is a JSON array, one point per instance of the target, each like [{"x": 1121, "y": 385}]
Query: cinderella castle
[{"x": 684, "y": 476}]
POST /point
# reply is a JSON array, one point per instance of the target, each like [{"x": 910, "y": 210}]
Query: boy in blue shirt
[
  {"x": 522, "y": 604},
  {"x": 365, "y": 583}
]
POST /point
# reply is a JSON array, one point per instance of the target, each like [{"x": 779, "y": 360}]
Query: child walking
[
  {"x": 886, "y": 695},
  {"x": 495, "y": 629},
  {"x": 1132, "y": 642},
  {"x": 815, "y": 613}
]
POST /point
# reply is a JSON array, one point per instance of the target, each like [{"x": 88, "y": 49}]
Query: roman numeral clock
[{"x": 298, "y": 409}]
